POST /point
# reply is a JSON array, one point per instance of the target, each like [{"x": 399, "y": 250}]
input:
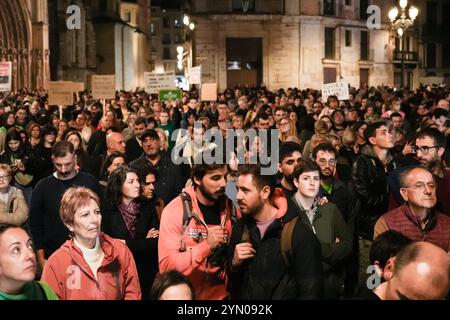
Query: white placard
[
  {"x": 5, "y": 76},
  {"x": 195, "y": 75},
  {"x": 154, "y": 82},
  {"x": 209, "y": 92},
  {"x": 339, "y": 89}
]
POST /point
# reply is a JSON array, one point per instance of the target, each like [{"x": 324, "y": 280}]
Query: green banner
[{"x": 165, "y": 95}]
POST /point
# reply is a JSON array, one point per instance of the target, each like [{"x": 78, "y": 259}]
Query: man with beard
[
  {"x": 196, "y": 247},
  {"x": 290, "y": 156},
  {"x": 46, "y": 227},
  {"x": 170, "y": 176},
  {"x": 134, "y": 145},
  {"x": 429, "y": 149},
  {"x": 418, "y": 218},
  {"x": 256, "y": 265}
]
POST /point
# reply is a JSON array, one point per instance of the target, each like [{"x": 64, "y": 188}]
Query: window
[
  {"x": 446, "y": 55},
  {"x": 329, "y": 43},
  {"x": 178, "y": 39},
  {"x": 348, "y": 2},
  {"x": 244, "y": 6},
  {"x": 152, "y": 29},
  {"x": 166, "y": 38},
  {"x": 432, "y": 13},
  {"x": 127, "y": 16},
  {"x": 431, "y": 55},
  {"x": 364, "y": 51},
  {"x": 363, "y": 5},
  {"x": 328, "y": 7},
  {"x": 166, "y": 22},
  {"x": 177, "y": 23},
  {"x": 348, "y": 38},
  {"x": 166, "y": 54}
]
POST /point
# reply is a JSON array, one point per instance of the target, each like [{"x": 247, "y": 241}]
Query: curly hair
[{"x": 113, "y": 193}]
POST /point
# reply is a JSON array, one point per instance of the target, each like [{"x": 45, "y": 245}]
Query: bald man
[
  {"x": 419, "y": 272},
  {"x": 417, "y": 218},
  {"x": 115, "y": 142}
]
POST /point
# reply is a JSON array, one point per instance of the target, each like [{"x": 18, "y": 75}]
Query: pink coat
[{"x": 69, "y": 275}]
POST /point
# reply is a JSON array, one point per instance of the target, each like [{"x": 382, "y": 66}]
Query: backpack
[
  {"x": 287, "y": 236},
  {"x": 188, "y": 214}
]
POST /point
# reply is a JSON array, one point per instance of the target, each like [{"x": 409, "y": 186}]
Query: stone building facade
[{"x": 303, "y": 43}]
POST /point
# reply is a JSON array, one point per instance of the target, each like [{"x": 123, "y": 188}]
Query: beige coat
[{"x": 15, "y": 211}]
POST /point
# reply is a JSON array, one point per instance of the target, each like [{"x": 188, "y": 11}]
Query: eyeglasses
[
  {"x": 420, "y": 187},
  {"x": 324, "y": 162},
  {"x": 4, "y": 177},
  {"x": 424, "y": 149}
]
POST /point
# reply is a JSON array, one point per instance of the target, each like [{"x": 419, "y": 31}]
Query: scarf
[{"x": 130, "y": 214}]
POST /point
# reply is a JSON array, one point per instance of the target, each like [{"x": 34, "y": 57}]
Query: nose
[{"x": 427, "y": 190}]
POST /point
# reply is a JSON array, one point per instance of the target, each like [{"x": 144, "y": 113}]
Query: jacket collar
[{"x": 367, "y": 150}]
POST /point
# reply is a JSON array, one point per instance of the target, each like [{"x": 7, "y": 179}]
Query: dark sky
[{"x": 167, "y": 3}]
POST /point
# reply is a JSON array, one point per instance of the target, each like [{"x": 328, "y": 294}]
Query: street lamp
[{"x": 400, "y": 24}]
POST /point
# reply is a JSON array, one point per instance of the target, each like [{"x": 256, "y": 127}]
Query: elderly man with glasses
[{"x": 418, "y": 218}]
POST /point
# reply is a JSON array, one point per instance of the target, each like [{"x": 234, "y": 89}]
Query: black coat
[
  {"x": 133, "y": 149},
  {"x": 145, "y": 251},
  {"x": 371, "y": 188},
  {"x": 266, "y": 276}
]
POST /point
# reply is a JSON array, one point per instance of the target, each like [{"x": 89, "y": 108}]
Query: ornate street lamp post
[{"x": 400, "y": 24}]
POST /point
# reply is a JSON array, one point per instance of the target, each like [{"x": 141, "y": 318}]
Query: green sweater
[{"x": 31, "y": 291}]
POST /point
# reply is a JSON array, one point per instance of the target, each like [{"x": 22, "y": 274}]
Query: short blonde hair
[
  {"x": 74, "y": 199},
  {"x": 6, "y": 168}
]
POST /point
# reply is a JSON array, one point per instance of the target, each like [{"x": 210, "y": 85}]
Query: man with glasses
[
  {"x": 418, "y": 218},
  {"x": 429, "y": 149}
]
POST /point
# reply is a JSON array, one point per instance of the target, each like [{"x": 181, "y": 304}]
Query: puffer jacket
[
  {"x": 15, "y": 211},
  {"x": 371, "y": 188},
  {"x": 209, "y": 282},
  {"x": 70, "y": 276},
  {"x": 266, "y": 276}
]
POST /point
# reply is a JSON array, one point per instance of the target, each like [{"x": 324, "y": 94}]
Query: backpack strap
[
  {"x": 41, "y": 289},
  {"x": 286, "y": 240},
  {"x": 187, "y": 216}
]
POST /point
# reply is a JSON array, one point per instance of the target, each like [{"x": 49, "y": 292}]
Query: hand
[
  {"x": 337, "y": 240},
  {"x": 216, "y": 237},
  {"x": 243, "y": 251},
  {"x": 153, "y": 233},
  {"x": 20, "y": 166},
  {"x": 408, "y": 149},
  {"x": 322, "y": 201}
]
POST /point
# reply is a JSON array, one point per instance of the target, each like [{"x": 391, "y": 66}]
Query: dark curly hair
[{"x": 113, "y": 193}]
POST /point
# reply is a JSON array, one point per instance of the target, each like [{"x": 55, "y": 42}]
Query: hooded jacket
[
  {"x": 371, "y": 188},
  {"x": 70, "y": 276},
  {"x": 266, "y": 276},
  {"x": 209, "y": 282}
]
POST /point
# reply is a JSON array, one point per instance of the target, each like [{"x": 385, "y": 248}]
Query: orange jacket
[
  {"x": 209, "y": 282},
  {"x": 69, "y": 275}
]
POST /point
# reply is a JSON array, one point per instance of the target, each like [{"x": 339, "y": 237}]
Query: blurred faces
[
  {"x": 177, "y": 292},
  {"x": 151, "y": 146},
  {"x": 263, "y": 124},
  {"x": 86, "y": 224},
  {"x": 383, "y": 138},
  {"x": 308, "y": 184},
  {"x": 65, "y": 166},
  {"x": 80, "y": 120},
  {"x": 212, "y": 185},
  {"x": 17, "y": 260},
  {"x": 327, "y": 162},
  {"x": 238, "y": 122},
  {"x": 139, "y": 129},
  {"x": 284, "y": 126},
  {"x": 420, "y": 192},
  {"x": 397, "y": 122},
  {"x": 74, "y": 140},
  {"x": 131, "y": 187},
  {"x": 35, "y": 132},
  {"x": 116, "y": 163},
  {"x": 115, "y": 142},
  {"x": 428, "y": 153},
  {"x": 14, "y": 145},
  {"x": 149, "y": 186},
  {"x": 5, "y": 179},
  {"x": 249, "y": 198},
  {"x": 164, "y": 118},
  {"x": 287, "y": 166}
]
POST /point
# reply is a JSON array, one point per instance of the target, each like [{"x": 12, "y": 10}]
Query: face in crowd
[{"x": 212, "y": 185}]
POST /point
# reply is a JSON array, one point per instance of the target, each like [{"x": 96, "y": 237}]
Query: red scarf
[{"x": 130, "y": 214}]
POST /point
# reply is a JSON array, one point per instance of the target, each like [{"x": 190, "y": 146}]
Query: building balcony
[
  {"x": 409, "y": 56},
  {"x": 435, "y": 32}
]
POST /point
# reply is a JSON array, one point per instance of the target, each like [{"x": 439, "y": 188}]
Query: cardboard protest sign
[
  {"x": 154, "y": 82},
  {"x": 60, "y": 93},
  {"x": 195, "y": 75},
  {"x": 339, "y": 89},
  {"x": 104, "y": 87},
  {"x": 209, "y": 92}
]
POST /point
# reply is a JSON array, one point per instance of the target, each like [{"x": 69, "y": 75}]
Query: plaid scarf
[{"x": 130, "y": 214}]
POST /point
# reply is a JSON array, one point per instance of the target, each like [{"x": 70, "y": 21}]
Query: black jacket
[
  {"x": 145, "y": 251},
  {"x": 97, "y": 144},
  {"x": 266, "y": 276},
  {"x": 133, "y": 149},
  {"x": 43, "y": 163},
  {"x": 170, "y": 176},
  {"x": 371, "y": 188}
]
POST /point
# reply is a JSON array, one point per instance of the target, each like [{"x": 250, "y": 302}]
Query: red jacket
[
  {"x": 69, "y": 275},
  {"x": 209, "y": 282}
]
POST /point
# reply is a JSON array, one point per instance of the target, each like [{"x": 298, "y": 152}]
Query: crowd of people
[{"x": 93, "y": 205}]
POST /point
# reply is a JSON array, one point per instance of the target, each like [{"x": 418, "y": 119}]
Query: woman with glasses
[
  {"x": 13, "y": 206},
  {"x": 133, "y": 219},
  {"x": 286, "y": 129}
]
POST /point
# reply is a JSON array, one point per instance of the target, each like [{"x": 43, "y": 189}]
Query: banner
[
  {"x": 60, "y": 93},
  {"x": 209, "y": 92},
  {"x": 195, "y": 75},
  {"x": 339, "y": 89},
  {"x": 165, "y": 95},
  {"x": 154, "y": 82},
  {"x": 104, "y": 87},
  {"x": 5, "y": 76}
]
